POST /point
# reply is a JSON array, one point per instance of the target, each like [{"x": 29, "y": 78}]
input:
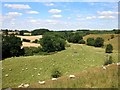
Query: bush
[
  {"x": 108, "y": 61},
  {"x": 81, "y": 41},
  {"x": 29, "y": 51},
  {"x": 90, "y": 41},
  {"x": 26, "y": 40},
  {"x": 51, "y": 43},
  {"x": 109, "y": 48},
  {"x": 99, "y": 42},
  {"x": 56, "y": 73},
  {"x": 36, "y": 41}
]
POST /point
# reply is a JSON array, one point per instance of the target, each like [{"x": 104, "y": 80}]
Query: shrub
[
  {"x": 108, "y": 61},
  {"x": 99, "y": 42},
  {"x": 36, "y": 41},
  {"x": 56, "y": 73},
  {"x": 51, "y": 43},
  {"x": 90, "y": 41},
  {"x": 112, "y": 36},
  {"x": 109, "y": 48},
  {"x": 81, "y": 41}
]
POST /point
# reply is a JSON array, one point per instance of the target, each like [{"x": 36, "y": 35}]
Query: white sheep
[
  {"x": 21, "y": 86},
  {"x": 6, "y": 75},
  {"x": 10, "y": 69},
  {"x": 118, "y": 64},
  {"x": 38, "y": 74},
  {"x": 54, "y": 79},
  {"x": 26, "y": 85},
  {"x": 104, "y": 68},
  {"x": 35, "y": 68},
  {"x": 22, "y": 69},
  {"x": 71, "y": 76},
  {"x": 32, "y": 75},
  {"x": 41, "y": 82}
]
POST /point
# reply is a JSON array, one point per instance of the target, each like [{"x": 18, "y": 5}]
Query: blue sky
[{"x": 59, "y": 15}]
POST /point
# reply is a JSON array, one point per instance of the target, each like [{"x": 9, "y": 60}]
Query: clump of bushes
[
  {"x": 98, "y": 42},
  {"x": 108, "y": 61},
  {"x": 56, "y": 73},
  {"x": 81, "y": 41},
  {"x": 109, "y": 48},
  {"x": 36, "y": 41}
]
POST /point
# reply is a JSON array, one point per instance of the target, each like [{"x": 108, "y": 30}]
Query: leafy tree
[
  {"x": 109, "y": 48},
  {"x": 39, "y": 31},
  {"x": 90, "y": 41},
  {"x": 11, "y": 46},
  {"x": 81, "y": 41},
  {"x": 51, "y": 43},
  {"x": 99, "y": 42},
  {"x": 108, "y": 61}
]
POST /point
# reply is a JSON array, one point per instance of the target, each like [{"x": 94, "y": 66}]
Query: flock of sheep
[{"x": 53, "y": 79}]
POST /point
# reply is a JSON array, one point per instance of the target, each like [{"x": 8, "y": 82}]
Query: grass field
[{"x": 74, "y": 59}]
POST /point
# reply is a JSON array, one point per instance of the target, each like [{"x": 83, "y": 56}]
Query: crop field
[{"x": 75, "y": 59}]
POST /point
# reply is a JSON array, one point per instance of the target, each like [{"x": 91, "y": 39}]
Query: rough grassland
[{"x": 74, "y": 59}]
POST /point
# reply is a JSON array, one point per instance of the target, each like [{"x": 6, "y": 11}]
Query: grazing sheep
[
  {"x": 32, "y": 75},
  {"x": 10, "y": 69},
  {"x": 6, "y": 75},
  {"x": 38, "y": 74},
  {"x": 71, "y": 76},
  {"x": 26, "y": 85},
  {"x": 22, "y": 69},
  {"x": 118, "y": 64},
  {"x": 104, "y": 68},
  {"x": 54, "y": 79},
  {"x": 41, "y": 82},
  {"x": 26, "y": 68},
  {"x": 21, "y": 86},
  {"x": 35, "y": 68}
]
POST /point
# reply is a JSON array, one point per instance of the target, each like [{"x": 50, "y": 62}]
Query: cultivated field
[
  {"x": 76, "y": 59},
  {"x": 29, "y": 44}
]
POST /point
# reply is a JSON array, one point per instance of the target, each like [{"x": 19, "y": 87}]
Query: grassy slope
[
  {"x": 113, "y": 41},
  {"x": 72, "y": 60}
]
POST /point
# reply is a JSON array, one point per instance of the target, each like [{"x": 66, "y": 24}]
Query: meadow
[{"x": 75, "y": 59}]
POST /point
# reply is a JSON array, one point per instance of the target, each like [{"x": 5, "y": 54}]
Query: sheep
[
  {"x": 41, "y": 82},
  {"x": 21, "y": 86},
  {"x": 26, "y": 85},
  {"x": 32, "y": 75},
  {"x": 104, "y": 68},
  {"x": 26, "y": 68},
  {"x": 22, "y": 69},
  {"x": 6, "y": 75},
  {"x": 118, "y": 64},
  {"x": 10, "y": 69},
  {"x": 38, "y": 74},
  {"x": 54, "y": 79},
  {"x": 35, "y": 68},
  {"x": 71, "y": 76}
]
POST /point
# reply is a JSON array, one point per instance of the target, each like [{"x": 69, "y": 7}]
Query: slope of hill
[{"x": 74, "y": 59}]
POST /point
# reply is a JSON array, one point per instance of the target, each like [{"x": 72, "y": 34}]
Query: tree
[
  {"x": 39, "y": 31},
  {"x": 99, "y": 42},
  {"x": 51, "y": 43},
  {"x": 11, "y": 46},
  {"x": 81, "y": 41},
  {"x": 109, "y": 48},
  {"x": 90, "y": 41}
]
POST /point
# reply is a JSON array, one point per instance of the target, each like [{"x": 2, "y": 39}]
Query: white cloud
[
  {"x": 54, "y": 11},
  {"x": 92, "y": 17},
  {"x": 32, "y": 12},
  {"x": 17, "y": 6},
  {"x": 56, "y": 16},
  {"x": 49, "y": 4},
  {"x": 107, "y": 12},
  {"x": 13, "y": 14},
  {"x": 106, "y": 17}
]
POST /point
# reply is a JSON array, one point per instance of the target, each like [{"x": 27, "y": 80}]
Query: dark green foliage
[
  {"x": 29, "y": 51},
  {"x": 11, "y": 46},
  {"x": 109, "y": 48},
  {"x": 21, "y": 33},
  {"x": 74, "y": 37},
  {"x": 39, "y": 31},
  {"x": 108, "y": 61},
  {"x": 99, "y": 42},
  {"x": 51, "y": 43},
  {"x": 81, "y": 41},
  {"x": 112, "y": 36},
  {"x": 56, "y": 73},
  {"x": 26, "y": 40},
  {"x": 90, "y": 41}
]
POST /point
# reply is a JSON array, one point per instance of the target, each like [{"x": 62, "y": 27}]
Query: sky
[{"x": 59, "y": 15}]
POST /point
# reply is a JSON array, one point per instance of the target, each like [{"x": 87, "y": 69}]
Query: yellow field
[{"x": 29, "y": 44}]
